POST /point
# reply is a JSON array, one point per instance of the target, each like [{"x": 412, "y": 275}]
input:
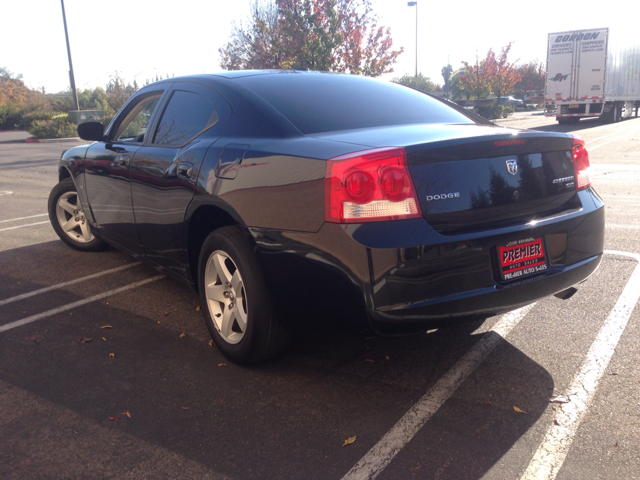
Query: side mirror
[{"x": 91, "y": 131}]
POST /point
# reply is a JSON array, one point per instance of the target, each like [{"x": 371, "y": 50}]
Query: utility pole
[
  {"x": 415, "y": 4},
  {"x": 72, "y": 80}
]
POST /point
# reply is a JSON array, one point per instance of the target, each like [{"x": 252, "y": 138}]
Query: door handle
[{"x": 185, "y": 170}]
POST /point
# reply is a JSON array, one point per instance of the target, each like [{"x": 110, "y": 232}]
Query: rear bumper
[{"x": 406, "y": 272}]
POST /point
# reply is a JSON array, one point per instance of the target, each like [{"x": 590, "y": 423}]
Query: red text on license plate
[{"x": 522, "y": 259}]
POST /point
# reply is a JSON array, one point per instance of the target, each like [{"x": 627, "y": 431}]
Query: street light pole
[
  {"x": 415, "y": 4},
  {"x": 72, "y": 80}
]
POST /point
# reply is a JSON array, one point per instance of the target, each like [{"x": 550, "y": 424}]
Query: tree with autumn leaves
[
  {"x": 493, "y": 74},
  {"x": 326, "y": 35}
]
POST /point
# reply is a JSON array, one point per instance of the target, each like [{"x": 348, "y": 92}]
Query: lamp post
[
  {"x": 415, "y": 4},
  {"x": 72, "y": 80}
]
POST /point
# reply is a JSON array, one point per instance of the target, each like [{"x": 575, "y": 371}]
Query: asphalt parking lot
[{"x": 107, "y": 370}]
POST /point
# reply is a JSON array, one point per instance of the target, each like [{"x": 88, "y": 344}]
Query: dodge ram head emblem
[{"x": 512, "y": 167}]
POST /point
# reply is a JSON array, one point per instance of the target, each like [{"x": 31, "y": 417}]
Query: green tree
[
  {"x": 327, "y": 35},
  {"x": 446, "y": 75},
  {"x": 458, "y": 89},
  {"x": 420, "y": 82}
]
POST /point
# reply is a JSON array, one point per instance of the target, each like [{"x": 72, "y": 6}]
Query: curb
[{"x": 52, "y": 140}]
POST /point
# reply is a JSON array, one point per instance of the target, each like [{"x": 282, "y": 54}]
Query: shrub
[
  {"x": 57, "y": 127},
  {"x": 506, "y": 111},
  {"x": 11, "y": 117},
  {"x": 491, "y": 112},
  {"x": 29, "y": 118}
]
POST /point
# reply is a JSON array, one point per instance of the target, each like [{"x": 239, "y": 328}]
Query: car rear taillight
[
  {"x": 581, "y": 164},
  {"x": 370, "y": 186}
]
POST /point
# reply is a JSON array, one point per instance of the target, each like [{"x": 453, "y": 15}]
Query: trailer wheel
[{"x": 563, "y": 120}]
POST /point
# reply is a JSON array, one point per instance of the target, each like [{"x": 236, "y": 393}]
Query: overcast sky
[{"x": 142, "y": 38}]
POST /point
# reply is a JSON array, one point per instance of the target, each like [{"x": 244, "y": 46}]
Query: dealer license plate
[{"x": 522, "y": 258}]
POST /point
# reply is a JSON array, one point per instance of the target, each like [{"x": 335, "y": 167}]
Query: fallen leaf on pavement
[
  {"x": 559, "y": 399},
  {"x": 166, "y": 313},
  {"x": 185, "y": 408},
  {"x": 615, "y": 444},
  {"x": 221, "y": 364},
  {"x": 198, "y": 308},
  {"x": 387, "y": 357},
  {"x": 211, "y": 343},
  {"x": 127, "y": 414},
  {"x": 500, "y": 420},
  {"x": 369, "y": 360},
  {"x": 114, "y": 418},
  {"x": 349, "y": 441},
  {"x": 34, "y": 339},
  {"x": 85, "y": 340},
  {"x": 182, "y": 335},
  {"x": 487, "y": 402},
  {"x": 112, "y": 355},
  {"x": 104, "y": 339},
  {"x": 518, "y": 410},
  {"x": 106, "y": 326},
  {"x": 555, "y": 422}
]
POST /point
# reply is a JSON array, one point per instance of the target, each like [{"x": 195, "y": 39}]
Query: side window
[
  {"x": 186, "y": 115},
  {"x": 134, "y": 125}
]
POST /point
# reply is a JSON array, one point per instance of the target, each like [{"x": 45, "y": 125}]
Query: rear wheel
[
  {"x": 68, "y": 219},
  {"x": 235, "y": 299}
]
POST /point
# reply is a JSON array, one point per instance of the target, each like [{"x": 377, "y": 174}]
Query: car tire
[
  {"x": 235, "y": 299},
  {"x": 68, "y": 219}
]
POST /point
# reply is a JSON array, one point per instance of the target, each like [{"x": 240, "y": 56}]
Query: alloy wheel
[
  {"x": 226, "y": 297},
  {"x": 71, "y": 218}
]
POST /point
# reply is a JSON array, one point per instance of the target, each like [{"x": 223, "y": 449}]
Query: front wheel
[
  {"x": 235, "y": 299},
  {"x": 68, "y": 219}
]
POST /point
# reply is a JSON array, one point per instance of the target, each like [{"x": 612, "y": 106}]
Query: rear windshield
[{"x": 322, "y": 102}]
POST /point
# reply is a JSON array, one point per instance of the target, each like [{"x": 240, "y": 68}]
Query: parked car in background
[
  {"x": 273, "y": 191},
  {"x": 511, "y": 101}
]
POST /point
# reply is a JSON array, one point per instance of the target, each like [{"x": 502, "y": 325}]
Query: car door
[
  {"x": 164, "y": 169},
  {"x": 107, "y": 169}
]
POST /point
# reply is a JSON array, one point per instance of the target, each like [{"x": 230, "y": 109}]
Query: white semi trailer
[{"x": 591, "y": 73}]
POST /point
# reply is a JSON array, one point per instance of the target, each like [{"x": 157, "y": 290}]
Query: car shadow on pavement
[{"x": 285, "y": 418}]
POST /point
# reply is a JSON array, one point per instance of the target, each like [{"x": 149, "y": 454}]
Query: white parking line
[
  {"x": 21, "y": 226},
  {"x": 24, "y": 218},
  {"x": 553, "y": 450},
  {"x": 64, "y": 308},
  {"x": 590, "y": 149},
  {"x": 65, "y": 284},
  {"x": 600, "y": 138},
  {"x": 375, "y": 461}
]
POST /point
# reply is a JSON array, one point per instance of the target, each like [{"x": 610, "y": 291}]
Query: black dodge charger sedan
[{"x": 270, "y": 189}]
